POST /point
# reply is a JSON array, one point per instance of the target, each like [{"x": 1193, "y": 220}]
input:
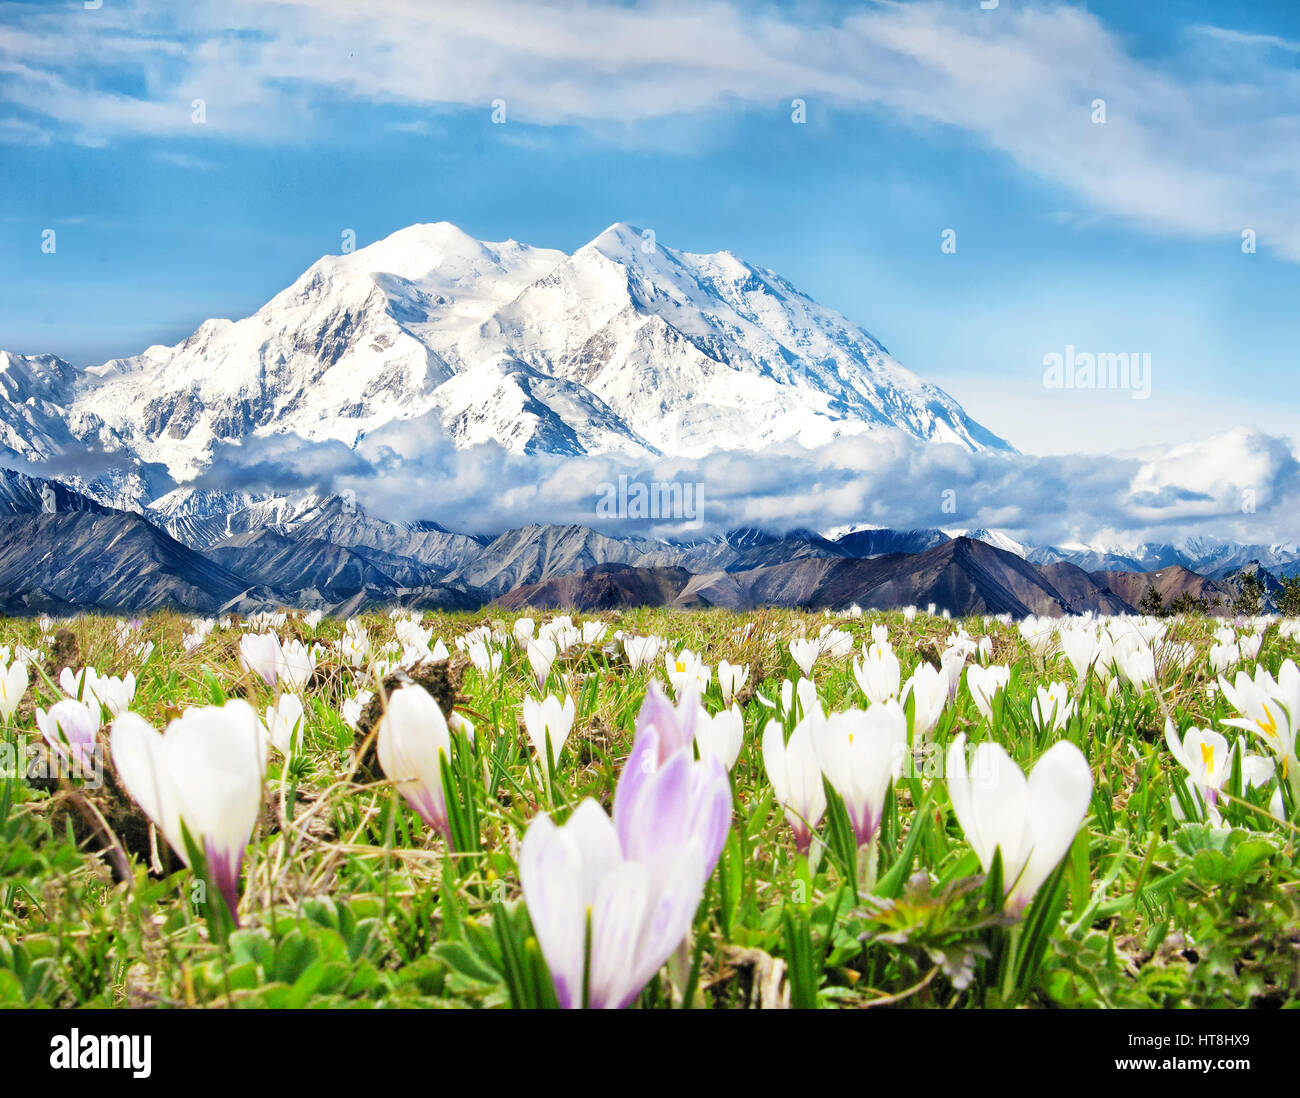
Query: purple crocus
[
  {"x": 70, "y": 728},
  {"x": 613, "y": 900}
]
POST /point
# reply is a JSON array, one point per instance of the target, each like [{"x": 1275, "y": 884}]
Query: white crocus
[
  {"x": 78, "y": 684},
  {"x": 203, "y": 774},
  {"x": 1270, "y": 708},
  {"x": 721, "y": 735},
  {"x": 641, "y": 651},
  {"x": 804, "y": 653},
  {"x": 1051, "y": 708},
  {"x": 1136, "y": 663},
  {"x": 1081, "y": 648},
  {"x": 1031, "y": 820},
  {"x": 796, "y": 777},
  {"x": 114, "y": 694},
  {"x": 412, "y": 742},
  {"x": 1207, "y": 757},
  {"x": 284, "y": 724},
  {"x": 929, "y": 689},
  {"x": 878, "y": 673},
  {"x": 487, "y": 660},
  {"x": 686, "y": 671},
  {"x": 352, "y": 708},
  {"x": 297, "y": 663},
  {"x": 260, "y": 654},
  {"x": 548, "y": 722},
  {"x": 541, "y": 655},
  {"x": 13, "y": 685},
  {"x": 1249, "y": 645},
  {"x": 731, "y": 677},
  {"x": 522, "y": 631},
  {"x": 984, "y": 684},
  {"x": 861, "y": 753}
]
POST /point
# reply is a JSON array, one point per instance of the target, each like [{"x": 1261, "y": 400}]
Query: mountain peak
[{"x": 627, "y": 346}]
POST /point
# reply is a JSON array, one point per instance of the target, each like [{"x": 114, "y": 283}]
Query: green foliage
[{"x": 348, "y": 899}]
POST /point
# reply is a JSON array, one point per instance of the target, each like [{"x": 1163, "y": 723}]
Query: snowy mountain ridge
[{"x": 625, "y": 346}]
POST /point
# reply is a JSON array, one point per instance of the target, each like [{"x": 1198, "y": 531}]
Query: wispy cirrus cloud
[{"x": 1186, "y": 149}]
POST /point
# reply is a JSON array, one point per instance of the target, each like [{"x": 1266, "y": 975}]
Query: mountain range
[
  {"x": 61, "y": 551},
  {"x": 624, "y": 347}
]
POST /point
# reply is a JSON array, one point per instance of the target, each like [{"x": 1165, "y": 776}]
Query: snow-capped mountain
[
  {"x": 1206, "y": 555},
  {"x": 624, "y": 346}
]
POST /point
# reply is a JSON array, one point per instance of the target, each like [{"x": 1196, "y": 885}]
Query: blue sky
[{"x": 920, "y": 118}]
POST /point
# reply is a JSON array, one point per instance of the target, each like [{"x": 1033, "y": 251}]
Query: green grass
[{"x": 349, "y": 900}]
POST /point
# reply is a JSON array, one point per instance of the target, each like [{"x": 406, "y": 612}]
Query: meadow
[{"x": 653, "y": 809}]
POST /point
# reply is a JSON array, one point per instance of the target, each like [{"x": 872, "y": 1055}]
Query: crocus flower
[
  {"x": 600, "y": 912},
  {"x": 523, "y": 631},
  {"x": 284, "y": 722},
  {"x": 593, "y": 631},
  {"x": 412, "y": 742},
  {"x": 804, "y": 653},
  {"x": 541, "y": 654},
  {"x": 203, "y": 773},
  {"x": 951, "y": 663},
  {"x": 548, "y": 722},
  {"x": 297, "y": 662},
  {"x": 731, "y": 677},
  {"x": 70, "y": 727},
  {"x": 1039, "y": 634},
  {"x": 1136, "y": 663},
  {"x": 664, "y": 796},
  {"x": 13, "y": 685},
  {"x": 1207, "y": 758},
  {"x": 641, "y": 651},
  {"x": 1031, "y": 820},
  {"x": 78, "y": 684},
  {"x": 1051, "y": 708},
  {"x": 721, "y": 735},
  {"x": 1081, "y": 648},
  {"x": 796, "y": 777},
  {"x": 114, "y": 694},
  {"x": 983, "y": 683},
  {"x": 929, "y": 689},
  {"x": 686, "y": 672},
  {"x": 1270, "y": 708},
  {"x": 861, "y": 753},
  {"x": 878, "y": 673},
  {"x": 637, "y": 881},
  {"x": 352, "y": 708},
  {"x": 487, "y": 660},
  {"x": 260, "y": 654},
  {"x": 835, "y": 643}
]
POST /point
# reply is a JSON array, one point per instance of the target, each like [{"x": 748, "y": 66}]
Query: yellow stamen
[
  {"x": 1207, "y": 757},
  {"x": 1269, "y": 727}
]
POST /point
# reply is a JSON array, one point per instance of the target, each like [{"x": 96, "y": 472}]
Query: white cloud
[
  {"x": 1189, "y": 150},
  {"x": 1241, "y": 484}
]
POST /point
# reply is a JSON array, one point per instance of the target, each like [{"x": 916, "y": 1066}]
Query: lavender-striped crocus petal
[
  {"x": 666, "y": 923},
  {"x": 550, "y": 874},
  {"x": 654, "y": 821},
  {"x": 710, "y": 806}
]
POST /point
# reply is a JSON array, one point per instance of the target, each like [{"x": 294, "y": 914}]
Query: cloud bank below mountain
[{"x": 1242, "y": 484}]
